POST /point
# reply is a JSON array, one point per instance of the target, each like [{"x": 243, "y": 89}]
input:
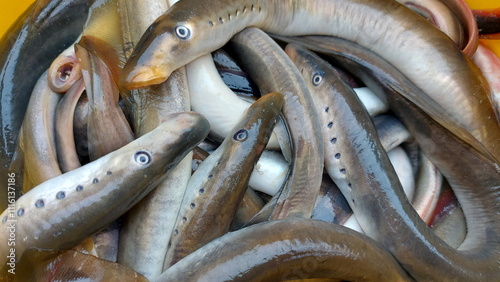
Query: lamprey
[
  {"x": 425, "y": 55},
  {"x": 64, "y": 210},
  {"x": 288, "y": 249},
  {"x": 27, "y": 50},
  {"x": 475, "y": 184},
  {"x": 273, "y": 71},
  {"x": 218, "y": 185},
  {"x": 37, "y": 139}
]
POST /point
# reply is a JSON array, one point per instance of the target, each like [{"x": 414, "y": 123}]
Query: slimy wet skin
[
  {"x": 218, "y": 185},
  {"x": 37, "y": 144},
  {"x": 474, "y": 178},
  {"x": 289, "y": 249},
  {"x": 28, "y": 49},
  {"x": 430, "y": 59},
  {"x": 63, "y": 211},
  {"x": 273, "y": 71}
]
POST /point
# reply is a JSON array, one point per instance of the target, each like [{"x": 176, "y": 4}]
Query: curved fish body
[
  {"x": 288, "y": 249},
  {"x": 37, "y": 136},
  {"x": 469, "y": 25},
  {"x": 373, "y": 104},
  {"x": 452, "y": 17},
  {"x": 27, "y": 50},
  {"x": 439, "y": 15},
  {"x": 370, "y": 68},
  {"x": 211, "y": 97},
  {"x": 349, "y": 135},
  {"x": 63, "y": 211},
  {"x": 64, "y": 71},
  {"x": 67, "y": 154},
  {"x": 218, "y": 185},
  {"x": 390, "y": 131},
  {"x": 489, "y": 63},
  {"x": 402, "y": 166},
  {"x": 476, "y": 186},
  {"x": 429, "y": 58},
  {"x": 234, "y": 76},
  {"x": 273, "y": 71},
  {"x": 107, "y": 128},
  {"x": 428, "y": 187},
  {"x": 269, "y": 173}
]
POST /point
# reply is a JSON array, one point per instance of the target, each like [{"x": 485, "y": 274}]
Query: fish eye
[
  {"x": 183, "y": 32},
  {"x": 142, "y": 158},
  {"x": 317, "y": 78},
  {"x": 240, "y": 135}
]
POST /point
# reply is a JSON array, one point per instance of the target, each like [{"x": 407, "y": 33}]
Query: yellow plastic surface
[
  {"x": 9, "y": 11},
  {"x": 483, "y": 4}
]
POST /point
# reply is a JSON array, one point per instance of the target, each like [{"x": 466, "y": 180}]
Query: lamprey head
[{"x": 173, "y": 40}]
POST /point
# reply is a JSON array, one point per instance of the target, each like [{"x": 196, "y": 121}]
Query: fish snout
[
  {"x": 191, "y": 126},
  {"x": 134, "y": 76}
]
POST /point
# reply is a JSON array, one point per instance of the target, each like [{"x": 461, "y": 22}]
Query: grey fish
[
  {"x": 63, "y": 211},
  {"x": 27, "y": 49},
  {"x": 390, "y": 131},
  {"x": 425, "y": 55},
  {"x": 218, "y": 185},
  {"x": 146, "y": 228},
  {"x": 273, "y": 71},
  {"x": 289, "y": 249},
  {"x": 334, "y": 49},
  {"x": 107, "y": 128},
  {"x": 37, "y": 136},
  {"x": 476, "y": 186},
  {"x": 67, "y": 154},
  {"x": 354, "y": 156}
]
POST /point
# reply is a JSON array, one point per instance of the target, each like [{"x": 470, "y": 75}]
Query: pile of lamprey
[{"x": 251, "y": 140}]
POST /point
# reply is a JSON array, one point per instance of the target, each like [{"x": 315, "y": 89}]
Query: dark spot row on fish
[
  {"x": 40, "y": 203},
  {"x": 208, "y": 222},
  {"x": 236, "y": 14},
  {"x": 330, "y": 125}
]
